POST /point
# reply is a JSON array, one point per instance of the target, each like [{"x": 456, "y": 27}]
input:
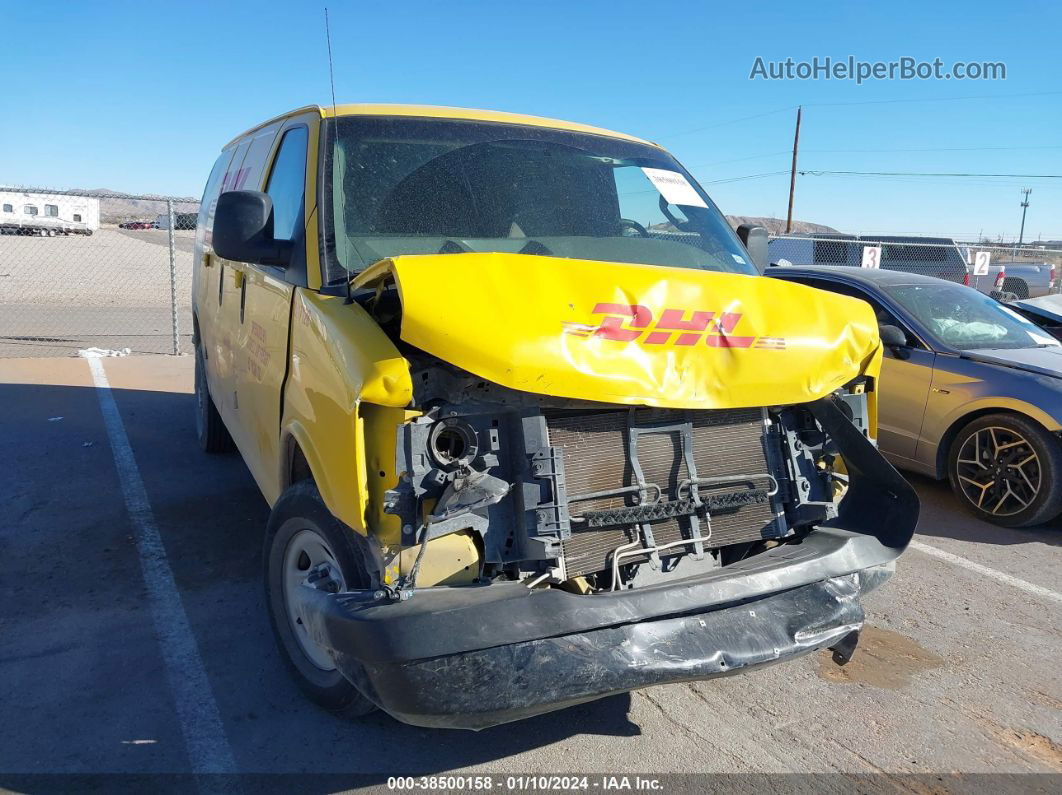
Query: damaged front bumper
[{"x": 475, "y": 657}]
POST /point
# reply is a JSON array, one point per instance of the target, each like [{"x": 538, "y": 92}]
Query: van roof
[{"x": 440, "y": 112}]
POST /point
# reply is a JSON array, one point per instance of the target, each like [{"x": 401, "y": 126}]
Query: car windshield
[
  {"x": 397, "y": 186},
  {"x": 963, "y": 318}
]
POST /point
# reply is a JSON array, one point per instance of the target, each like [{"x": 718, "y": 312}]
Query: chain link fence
[
  {"x": 1006, "y": 271},
  {"x": 82, "y": 269}
]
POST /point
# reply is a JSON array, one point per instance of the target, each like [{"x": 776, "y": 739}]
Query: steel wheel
[
  {"x": 305, "y": 550},
  {"x": 302, "y": 535}
]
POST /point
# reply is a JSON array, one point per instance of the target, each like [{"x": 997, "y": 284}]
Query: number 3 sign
[{"x": 871, "y": 257}]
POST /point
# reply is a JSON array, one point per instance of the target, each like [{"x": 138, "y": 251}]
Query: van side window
[
  {"x": 249, "y": 177},
  {"x": 210, "y": 196},
  {"x": 8, "y": 208},
  {"x": 287, "y": 184}
]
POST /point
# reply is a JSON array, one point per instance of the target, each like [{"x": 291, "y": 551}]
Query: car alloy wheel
[{"x": 999, "y": 471}]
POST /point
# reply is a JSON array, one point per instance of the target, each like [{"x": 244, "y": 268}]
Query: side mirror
[
  {"x": 755, "y": 240},
  {"x": 892, "y": 336},
  {"x": 243, "y": 230}
]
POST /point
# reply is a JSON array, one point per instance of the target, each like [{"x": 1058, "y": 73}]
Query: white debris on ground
[{"x": 96, "y": 353}]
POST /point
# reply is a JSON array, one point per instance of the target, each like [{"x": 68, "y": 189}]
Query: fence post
[{"x": 173, "y": 280}]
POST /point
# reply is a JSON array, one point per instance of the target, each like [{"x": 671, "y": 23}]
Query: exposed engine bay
[
  {"x": 591, "y": 497},
  {"x": 580, "y": 502}
]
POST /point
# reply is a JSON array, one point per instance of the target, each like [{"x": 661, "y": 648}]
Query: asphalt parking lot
[{"x": 958, "y": 671}]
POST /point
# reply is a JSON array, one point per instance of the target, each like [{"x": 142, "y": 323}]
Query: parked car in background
[
  {"x": 970, "y": 390},
  {"x": 927, "y": 256},
  {"x": 1045, "y": 311},
  {"x": 137, "y": 225},
  {"x": 1024, "y": 279},
  {"x": 186, "y": 221}
]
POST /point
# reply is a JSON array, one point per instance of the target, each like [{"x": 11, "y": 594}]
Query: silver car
[{"x": 970, "y": 390}]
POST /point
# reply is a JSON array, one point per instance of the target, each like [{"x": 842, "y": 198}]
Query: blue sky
[{"x": 140, "y": 96}]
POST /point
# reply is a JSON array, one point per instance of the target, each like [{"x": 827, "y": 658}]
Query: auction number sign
[{"x": 871, "y": 257}]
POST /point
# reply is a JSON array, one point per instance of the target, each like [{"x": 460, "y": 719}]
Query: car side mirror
[
  {"x": 243, "y": 230},
  {"x": 893, "y": 338},
  {"x": 754, "y": 239}
]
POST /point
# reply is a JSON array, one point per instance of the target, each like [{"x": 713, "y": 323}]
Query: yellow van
[{"x": 533, "y": 426}]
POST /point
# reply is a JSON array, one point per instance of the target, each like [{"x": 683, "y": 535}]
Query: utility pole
[
  {"x": 1024, "y": 208},
  {"x": 792, "y": 176}
]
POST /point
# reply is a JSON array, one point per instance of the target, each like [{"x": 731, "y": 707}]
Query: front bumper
[
  {"x": 476, "y": 657},
  {"x": 477, "y": 689},
  {"x": 473, "y": 657}
]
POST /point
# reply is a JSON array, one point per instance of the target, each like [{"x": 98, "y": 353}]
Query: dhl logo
[{"x": 629, "y": 322}]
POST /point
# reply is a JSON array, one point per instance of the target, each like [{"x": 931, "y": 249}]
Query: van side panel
[
  {"x": 261, "y": 335},
  {"x": 211, "y": 309}
]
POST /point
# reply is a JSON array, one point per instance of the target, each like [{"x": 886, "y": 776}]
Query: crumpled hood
[{"x": 631, "y": 334}]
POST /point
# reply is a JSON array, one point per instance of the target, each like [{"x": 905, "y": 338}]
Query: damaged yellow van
[{"x": 533, "y": 427}]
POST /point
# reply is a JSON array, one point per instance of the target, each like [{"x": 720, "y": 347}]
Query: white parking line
[
  {"x": 204, "y": 737},
  {"x": 1014, "y": 582}
]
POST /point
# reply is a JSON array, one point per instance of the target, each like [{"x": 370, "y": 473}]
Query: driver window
[{"x": 287, "y": 184}]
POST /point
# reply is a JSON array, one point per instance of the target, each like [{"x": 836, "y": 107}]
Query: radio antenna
[
  {"x": 332, "y": 83},
  {"x": 331, "y": 75}
]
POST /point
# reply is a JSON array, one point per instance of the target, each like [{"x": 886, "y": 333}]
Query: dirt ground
[
  {"x": 958, "y": 672},
  {"x": 122, "y": 296}
]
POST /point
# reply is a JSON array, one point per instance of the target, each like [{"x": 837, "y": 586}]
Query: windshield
[
  {"x": 963, "y": 318},
  {"x": 424, "y": 186}
]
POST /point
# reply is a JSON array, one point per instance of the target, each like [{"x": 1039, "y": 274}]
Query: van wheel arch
[{"x": 298, "y": 466}]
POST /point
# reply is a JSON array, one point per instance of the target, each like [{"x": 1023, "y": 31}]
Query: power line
[
  {"x": 927, "y": 174},
  {"x": 730, "y": 121},
  {"x": 935, "y": 149},
  {"x": 747, "y": 176},
  {"x": 928, "y": 99},
  {"x": 668, "y": 136}
]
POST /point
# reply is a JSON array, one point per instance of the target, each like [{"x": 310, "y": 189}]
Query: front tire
[
  {"x": 302, "y": 533},
  {"x": 1007, "y": 470}
]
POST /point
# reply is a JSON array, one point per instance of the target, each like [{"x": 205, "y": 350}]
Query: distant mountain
[
  {"x": 116, "y": 206},
  {"x": 776, "y": 226}
]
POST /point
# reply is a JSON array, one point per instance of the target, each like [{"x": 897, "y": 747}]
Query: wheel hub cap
[{"x": 306, "y": 552}]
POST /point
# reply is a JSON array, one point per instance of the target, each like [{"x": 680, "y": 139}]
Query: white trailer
[{"x": 36, "y": 212}]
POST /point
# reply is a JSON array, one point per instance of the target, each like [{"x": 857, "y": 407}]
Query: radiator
[{"x": 605, "y": 450}]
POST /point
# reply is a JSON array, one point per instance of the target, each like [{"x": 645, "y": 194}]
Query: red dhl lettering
[{"x": 684, "y": 327}]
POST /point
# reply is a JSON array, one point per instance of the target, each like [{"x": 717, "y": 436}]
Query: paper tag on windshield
[{"x": 674, "y": 187}]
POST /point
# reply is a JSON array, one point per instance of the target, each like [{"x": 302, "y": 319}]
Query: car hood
[
  {"x": 1042, "y": 361},
  {"x": 630, "y": 334},
  {"x": 1048, "y": 307}
]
